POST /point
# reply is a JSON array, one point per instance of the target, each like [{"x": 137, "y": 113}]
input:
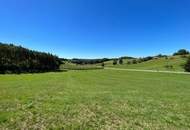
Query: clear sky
[{"x": 97, "y": 28}]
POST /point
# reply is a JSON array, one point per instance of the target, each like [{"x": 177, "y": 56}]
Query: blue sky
[{"x": 97, "y": 28}]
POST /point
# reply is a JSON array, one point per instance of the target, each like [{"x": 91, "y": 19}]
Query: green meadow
[
  {"x": 95, "y": 99},
  {"x": 161, "y": 64}
]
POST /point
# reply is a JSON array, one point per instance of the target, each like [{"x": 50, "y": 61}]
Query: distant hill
[
  {"x": 169, "y": 63},
  {"x": 175, "y": 62}
]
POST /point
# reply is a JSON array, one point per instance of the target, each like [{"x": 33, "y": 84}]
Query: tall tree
[{"x": 16, "y": 59}]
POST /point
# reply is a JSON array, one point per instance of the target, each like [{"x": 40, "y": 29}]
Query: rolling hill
[{"x": 171, "y": 63}]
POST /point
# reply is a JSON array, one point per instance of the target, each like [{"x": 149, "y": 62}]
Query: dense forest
[{"x": 16, "y": 59}]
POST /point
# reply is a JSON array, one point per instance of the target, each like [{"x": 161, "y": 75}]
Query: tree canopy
[
  {"x": 16, "y": 59},
  {"x": 88, "y": 61},
  {"x": 181, "y": 52}
]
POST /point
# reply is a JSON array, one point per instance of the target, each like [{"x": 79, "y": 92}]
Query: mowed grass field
[{"x": 95, "y": 99}]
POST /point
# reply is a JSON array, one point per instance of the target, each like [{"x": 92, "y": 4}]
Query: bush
[
  {"x": 187, "y": 65},
  {"x": 103, "y": 64},
  {"x": 134, "y": 61},
  {"x": 140, "y": 60},
  {"x": 114, "y": 62},
  {"x": 169, "y": 66},
  {"x": 120, "y": 61}
]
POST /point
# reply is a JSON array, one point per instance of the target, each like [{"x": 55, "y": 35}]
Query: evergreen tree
[{"x": 17, "y": 59}]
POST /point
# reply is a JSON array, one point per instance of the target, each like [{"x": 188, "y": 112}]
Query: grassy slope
[
  {"x": 97, "y": 99},
  {"x": 156, "y": 64}
]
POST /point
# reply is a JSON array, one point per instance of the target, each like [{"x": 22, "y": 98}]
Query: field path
[{"x": 153, "y": 71}]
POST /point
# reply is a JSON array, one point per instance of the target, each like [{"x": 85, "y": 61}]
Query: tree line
[
  {"x": 132, "y": 60},
  {"x": 17, "y": 59},
  {"x": 88, "y": 61}
]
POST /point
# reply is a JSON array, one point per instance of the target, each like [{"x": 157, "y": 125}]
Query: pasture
[
  {"x": 95, "y": 99},
  {"x": 176, "y": 63}
]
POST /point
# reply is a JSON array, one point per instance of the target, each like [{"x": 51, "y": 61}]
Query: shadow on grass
[{"x": 32, "y": 72}]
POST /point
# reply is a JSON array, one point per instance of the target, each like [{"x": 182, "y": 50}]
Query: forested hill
[{"x": 16, "y": 59}]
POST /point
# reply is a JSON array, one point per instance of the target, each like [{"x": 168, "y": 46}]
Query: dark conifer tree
[{"x": 16, "y": 59}]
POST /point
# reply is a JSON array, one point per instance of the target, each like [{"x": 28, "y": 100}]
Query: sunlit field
[
  {"x": 95, "y": 99},
  {"x": 172, "y": 63}
]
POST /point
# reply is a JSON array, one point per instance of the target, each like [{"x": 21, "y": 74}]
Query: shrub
[
  {"x": 120, "y": 61},
  {"x": 169, "y": 66},
  {"x": 134, "y": 61},
  {"x": 114, "y": 62},
  {"x": 128, "y": 62},
  {"x": 187, "y": 65},
  {"x": 103, "y": 64}
]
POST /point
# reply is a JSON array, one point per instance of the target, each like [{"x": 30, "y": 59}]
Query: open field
[
  {"x": 176, "y": 62},
  {"x": 95, "y": 99},
  {"x": 70, "y": 66}
]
